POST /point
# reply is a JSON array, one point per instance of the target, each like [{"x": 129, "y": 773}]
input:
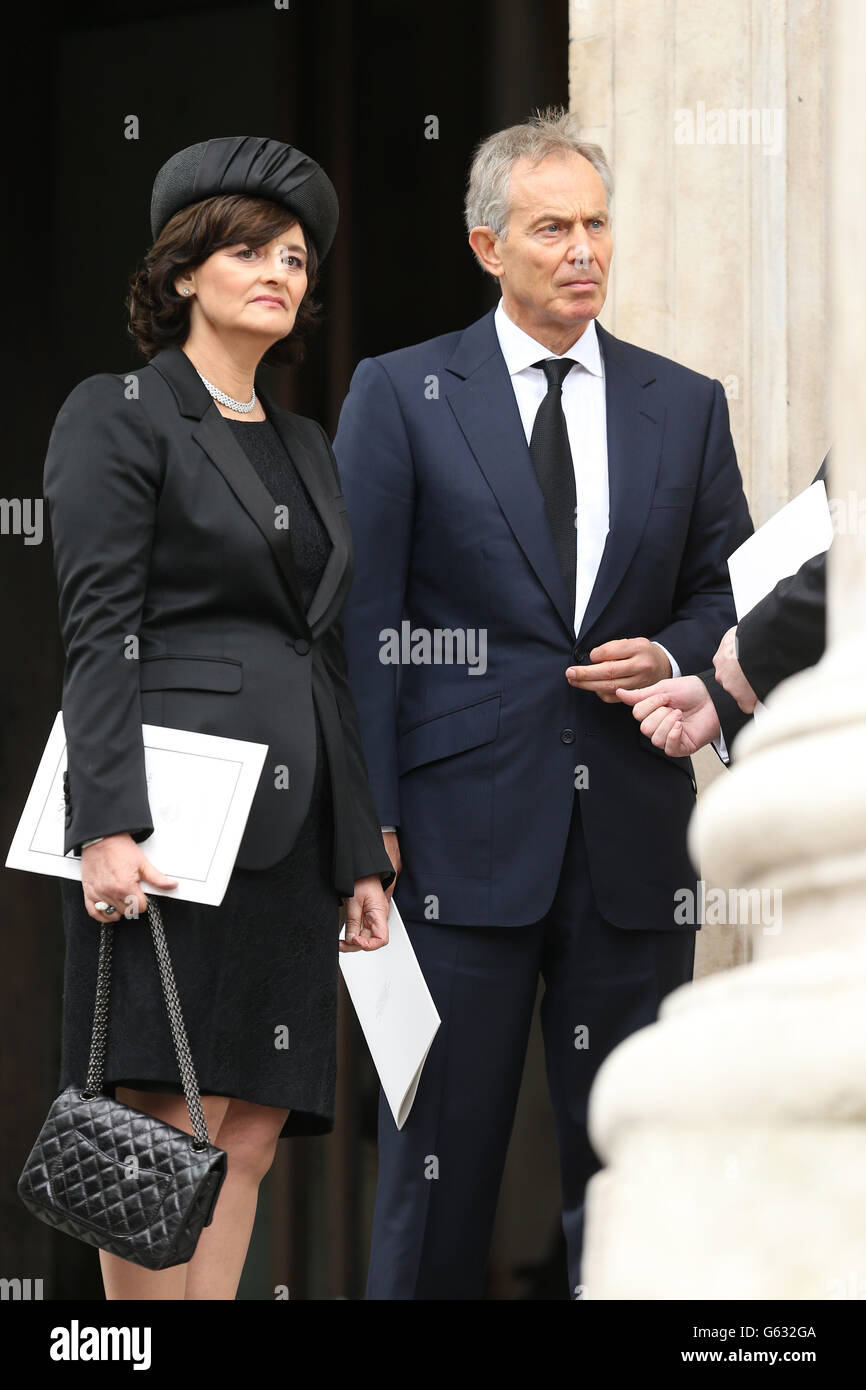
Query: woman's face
[{"x": 245, "y": 289}]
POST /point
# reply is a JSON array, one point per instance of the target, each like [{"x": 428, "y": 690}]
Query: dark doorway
[{"x": 355, "y": 83}]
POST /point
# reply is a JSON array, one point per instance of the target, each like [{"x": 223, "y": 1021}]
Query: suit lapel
[
  {"x": 483, "y": 401},
  {"x": 216, "y": 438},
  {"x": 635, "y": 427}
]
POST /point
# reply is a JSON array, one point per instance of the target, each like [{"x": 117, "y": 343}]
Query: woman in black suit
[{"x": 203, "y": 555}]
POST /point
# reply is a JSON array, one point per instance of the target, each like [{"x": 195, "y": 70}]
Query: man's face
[{"x": 556, "y": 257}]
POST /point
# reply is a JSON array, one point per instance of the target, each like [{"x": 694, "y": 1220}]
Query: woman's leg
[
  {"x": 123, "y": 1279},
  {"x": 249, "y": 1135}
]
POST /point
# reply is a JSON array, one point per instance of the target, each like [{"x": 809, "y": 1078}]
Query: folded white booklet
[
  {"x": 200, "y": 788},
  {"x": 801, "y": 529},
  {"x": 396, "y": 1012}
]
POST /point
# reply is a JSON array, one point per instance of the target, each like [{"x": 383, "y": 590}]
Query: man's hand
[
  {"x": 392, "y": 849},
  {"x": 366, "y": 916},
  {"x": 626, "y": 664},
  {"x": 112, "y": 871},
  {"x": 676, "y": 715},
  {"x": 729, "y": 673}
]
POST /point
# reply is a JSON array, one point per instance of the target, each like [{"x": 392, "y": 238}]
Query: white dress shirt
[{"x": 584, "y": 405}]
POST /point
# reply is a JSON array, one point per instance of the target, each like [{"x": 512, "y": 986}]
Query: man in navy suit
[{"x": 541, "y": 514}]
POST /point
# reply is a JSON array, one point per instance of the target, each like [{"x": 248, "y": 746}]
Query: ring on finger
[{"x": 104, "y": 907}]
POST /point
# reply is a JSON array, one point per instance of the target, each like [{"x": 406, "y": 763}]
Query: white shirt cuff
[{"x": 675, "y": 670}]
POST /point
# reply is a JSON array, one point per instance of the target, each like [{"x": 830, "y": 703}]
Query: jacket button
[
  {"x": 567, "y": 736},
  {"x": 580, "y": 657},
  {"x": 302, "y": 646}
]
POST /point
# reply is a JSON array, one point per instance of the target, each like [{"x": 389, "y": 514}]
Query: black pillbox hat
[{"x": 253, "y": 166}]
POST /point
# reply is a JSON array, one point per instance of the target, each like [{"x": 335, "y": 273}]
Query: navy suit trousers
[{"x": 439, "y": 1177}]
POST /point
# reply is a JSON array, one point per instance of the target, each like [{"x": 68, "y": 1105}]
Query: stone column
[{"x": 734, "y": 1129}]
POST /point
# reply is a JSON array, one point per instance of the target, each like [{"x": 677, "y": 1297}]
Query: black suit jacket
[
  {"x": 783, "y": 634},
  {"x": 179, "y": 605}
]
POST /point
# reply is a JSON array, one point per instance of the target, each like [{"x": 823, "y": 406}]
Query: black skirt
[{"x": 256, "y": 976}]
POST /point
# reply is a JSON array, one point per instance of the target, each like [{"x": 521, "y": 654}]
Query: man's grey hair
[{"x": 551, "y": 131}]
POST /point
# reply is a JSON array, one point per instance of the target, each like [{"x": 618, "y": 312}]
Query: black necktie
[{"x": 551, "y": 458}]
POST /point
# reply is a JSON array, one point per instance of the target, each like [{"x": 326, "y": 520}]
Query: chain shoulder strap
[{"x": 99, "y": 1037}]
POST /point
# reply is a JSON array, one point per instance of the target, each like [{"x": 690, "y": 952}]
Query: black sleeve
[
  {"x": 369, "y": 853},
  {"x": 786, "y": 631},
  {"x": 731, "y": 717},
  {"x": 101, "y": 481}
]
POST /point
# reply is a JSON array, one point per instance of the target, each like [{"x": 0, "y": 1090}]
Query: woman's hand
[
  {"x": 366, "y": 916},
  {"x": 111, "y": 871}
]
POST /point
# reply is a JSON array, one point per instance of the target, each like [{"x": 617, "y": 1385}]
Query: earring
[{"x": 186, "y": 291}]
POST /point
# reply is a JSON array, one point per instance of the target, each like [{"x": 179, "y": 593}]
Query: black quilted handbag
[{"x": 116, "y": 1177}]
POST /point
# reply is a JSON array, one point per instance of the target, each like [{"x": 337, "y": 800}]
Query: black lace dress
[{"x": 257, "y": 975}]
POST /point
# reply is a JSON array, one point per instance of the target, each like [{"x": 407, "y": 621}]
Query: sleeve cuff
[{"x": 675, "y": 670}]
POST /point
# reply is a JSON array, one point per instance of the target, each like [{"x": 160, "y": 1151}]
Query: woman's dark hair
[{"x": 159, "y": 316}]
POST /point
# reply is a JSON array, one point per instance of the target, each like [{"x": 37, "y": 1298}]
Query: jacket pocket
[
  {"x": 455, "y": 731},
  {"x": 191, "y": 673}
]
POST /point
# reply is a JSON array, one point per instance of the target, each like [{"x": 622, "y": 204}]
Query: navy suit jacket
[{"x": 449, "y": 532}]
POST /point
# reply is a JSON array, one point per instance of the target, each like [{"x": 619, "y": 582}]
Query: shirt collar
[{"x": 521, "y": 351}]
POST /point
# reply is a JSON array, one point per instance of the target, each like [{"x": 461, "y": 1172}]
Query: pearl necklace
[{"x": 244, "y": 407}]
